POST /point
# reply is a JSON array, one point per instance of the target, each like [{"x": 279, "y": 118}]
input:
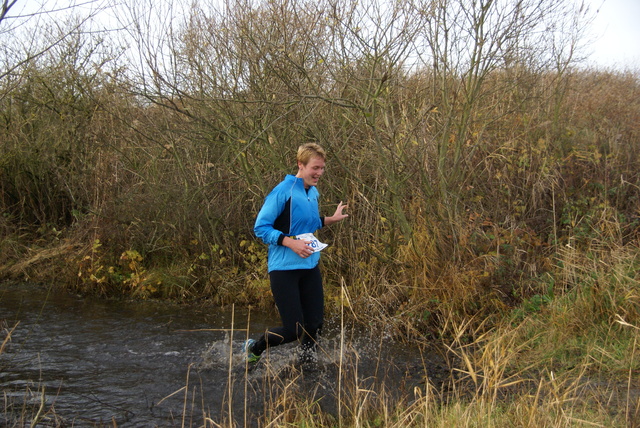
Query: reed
[
  {"x": 526, "y": 371},
  {"x": 28, "y": 407}
]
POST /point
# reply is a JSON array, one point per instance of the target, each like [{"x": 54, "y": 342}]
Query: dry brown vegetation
[{"x": 491, "y": 180}]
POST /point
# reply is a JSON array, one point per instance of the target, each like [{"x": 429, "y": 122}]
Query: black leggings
[{"x": 300, "y": 300}]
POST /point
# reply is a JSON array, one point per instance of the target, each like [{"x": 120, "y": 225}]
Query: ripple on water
[{"x": 100, "y": 361}]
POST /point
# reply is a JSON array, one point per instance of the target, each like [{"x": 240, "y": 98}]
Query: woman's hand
[
  {"x": 299, "y": 246},
  {"x": 337, "y": 216}
]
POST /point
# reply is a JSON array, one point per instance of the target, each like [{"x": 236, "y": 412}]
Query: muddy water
[{"x": 137, "y": 364}]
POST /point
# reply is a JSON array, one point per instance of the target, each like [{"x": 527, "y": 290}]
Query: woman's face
[{"x": 311, "y": 172}]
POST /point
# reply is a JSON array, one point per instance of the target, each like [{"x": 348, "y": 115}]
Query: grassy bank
[
  {"x": 565, "y": 360},
  {"x": 568, "y": 358}
]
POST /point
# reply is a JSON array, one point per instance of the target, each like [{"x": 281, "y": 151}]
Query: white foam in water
[
  {"x": 109, "y": 361},
  {"x": 217, "y": 354}
]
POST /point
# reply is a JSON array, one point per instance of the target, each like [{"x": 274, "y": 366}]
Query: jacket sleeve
[{"x": 264, "y": 227}]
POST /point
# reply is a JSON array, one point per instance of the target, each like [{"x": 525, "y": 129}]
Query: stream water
[{"x": 96, "y": 362}]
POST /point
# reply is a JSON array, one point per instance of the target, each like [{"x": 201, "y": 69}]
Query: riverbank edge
[{"x": 574, "y": 345}]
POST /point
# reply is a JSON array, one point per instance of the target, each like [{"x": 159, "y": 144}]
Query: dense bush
[{"x": 466, "y": 167}]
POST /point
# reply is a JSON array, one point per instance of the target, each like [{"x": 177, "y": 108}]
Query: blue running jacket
[{"x": 288, "y": 210}]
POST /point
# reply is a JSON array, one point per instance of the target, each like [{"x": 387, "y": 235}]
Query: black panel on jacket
[{"x": 283, "y": 222}]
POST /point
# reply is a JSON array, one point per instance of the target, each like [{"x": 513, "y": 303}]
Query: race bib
[{"x": 315, "y": 244}]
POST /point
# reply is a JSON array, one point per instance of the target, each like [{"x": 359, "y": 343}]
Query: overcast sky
[{"x": 617, "y": 32}]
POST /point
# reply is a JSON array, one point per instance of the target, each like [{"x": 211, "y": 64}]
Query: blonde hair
[{"x": 309, "y": 150}]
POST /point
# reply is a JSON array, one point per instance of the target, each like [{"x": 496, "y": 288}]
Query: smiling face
[{"x": 312, "y": 171}]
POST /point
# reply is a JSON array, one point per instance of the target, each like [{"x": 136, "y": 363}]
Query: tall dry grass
[
  {"x": 28, "y": 407},
  {"x": 524, "y": 372}
]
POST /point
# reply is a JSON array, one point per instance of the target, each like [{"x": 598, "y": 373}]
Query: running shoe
[{"x": 247, "y": 350}]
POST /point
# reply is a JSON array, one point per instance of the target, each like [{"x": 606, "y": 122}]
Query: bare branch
[{"x": 6, "y": 6}]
